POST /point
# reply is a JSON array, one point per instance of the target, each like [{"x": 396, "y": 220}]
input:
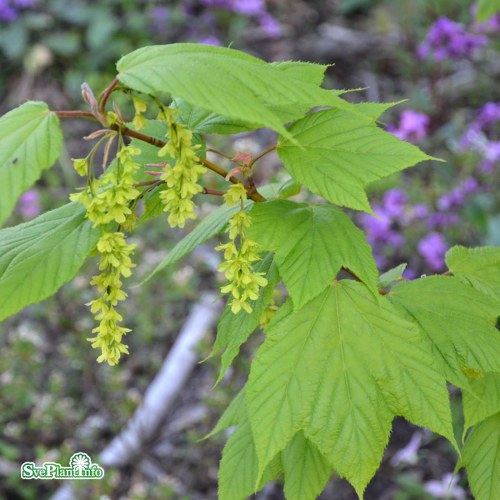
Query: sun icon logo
[{"x": 79, "y": 462}]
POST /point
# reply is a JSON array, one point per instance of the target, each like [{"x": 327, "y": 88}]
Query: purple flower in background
[
  {"x": 409, "y": 274},
  {"x": 442, "y": 220},
  {"x": 159, "y": 18},
  {"x": 412, "y": 126},
  {"x": 377, "y": 228},
  {"x": 210, "y": 40},
  {"x": 216, "y": 3},
  {"x": 29, "y": 204},
  {"x": 248, "y": 7},
  {"x": 395, "y": 201},
  {"x": 24, "y": 4},
  {"x": 448, "y": 39},
  {"x": 491, "y": 25},
  {"x": 491, "y": 154},
  {"x": 420, "y": 211},
  {"x": 9, "y": 9},
  {"x": 270, "y": 25},
  {"x": 489, "y": 114},
  {"x": 433, "y": 249},
  {"x": 476, "y": 136},
  {"x": 380, "y": 260},
  {"x": 245, "y": 7},
  {"x": 469, "y": 186},
  {"x": 7, "y": 12}
]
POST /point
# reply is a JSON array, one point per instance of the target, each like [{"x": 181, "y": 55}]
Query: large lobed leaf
[
  {"x": 39, "y": 256},
  {"x": 251, "y": 89},
  {"x": 478, "y": 267},
  {"x": 340, "y": 369},
  {"x": 459, "y": 323},
  {"x": 481, "y": 457},
  {"x": 30, "y": 142},
  {"x": 304, "y": 468},
  {"x": 311, "y": 243},
  {"x": 201, "y": 120},
  {"x": 339, "y": 154},
  {"x": 238, "y": 471},
  {"x": 482, "y": 400}
]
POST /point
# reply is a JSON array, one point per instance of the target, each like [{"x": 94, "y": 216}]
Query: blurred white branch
[{"x": 161, "y": 394}]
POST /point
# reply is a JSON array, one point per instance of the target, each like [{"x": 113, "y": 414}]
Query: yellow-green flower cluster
[
  {"x": 182, "y": 178},
  {"x": 140, "y": 106},
  {"x": 108, "y": 198},
  {"x": 243, "y": 283},
  {"x": 81, "y": 165},
  {"x": 115, "y": 263}
]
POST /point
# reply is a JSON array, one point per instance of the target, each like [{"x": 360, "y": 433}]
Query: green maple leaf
[
  {"x": 253, "y": 91},
  {"x": 483, "y": 399},
  {"x": 340, "y": 368},
  {"x": 202, "y": 120},
  {"x": 458, "y": 321},
  {"x": 336, "y": 155},
  {"x": 478, "y": 267},
  {"x": 310, "y": 245},
  {"x": 39, "y": 256},
  {"x": 305, "y": 469},
  {"x": 481, "y": 457},
  {"x": 238, "y": 471},
  {"x": 30, "y": 142}
]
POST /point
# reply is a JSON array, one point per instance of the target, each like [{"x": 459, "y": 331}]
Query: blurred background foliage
[{"x": 55, "y": 400}]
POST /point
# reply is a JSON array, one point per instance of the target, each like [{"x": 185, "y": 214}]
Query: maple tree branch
[
  {"x": 76, "y": 114},
  {"x": 253, "y": 194}
]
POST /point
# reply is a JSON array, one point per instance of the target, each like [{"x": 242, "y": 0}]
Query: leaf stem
[
  {"x": 220, "y": 153},
  {"x": 262, "y": 153}
]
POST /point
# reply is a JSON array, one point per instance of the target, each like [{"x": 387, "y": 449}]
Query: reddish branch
[
  {"x": 76, "y": 114},
  {"x": 253, "y": 194}
]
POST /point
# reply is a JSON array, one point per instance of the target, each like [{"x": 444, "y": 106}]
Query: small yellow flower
[
  {"x": 140, "y": 105},
  {"x": 81, "y": 165},
  {"x": 235, "y": 194},
  {"x": 108, "y": 198}
]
